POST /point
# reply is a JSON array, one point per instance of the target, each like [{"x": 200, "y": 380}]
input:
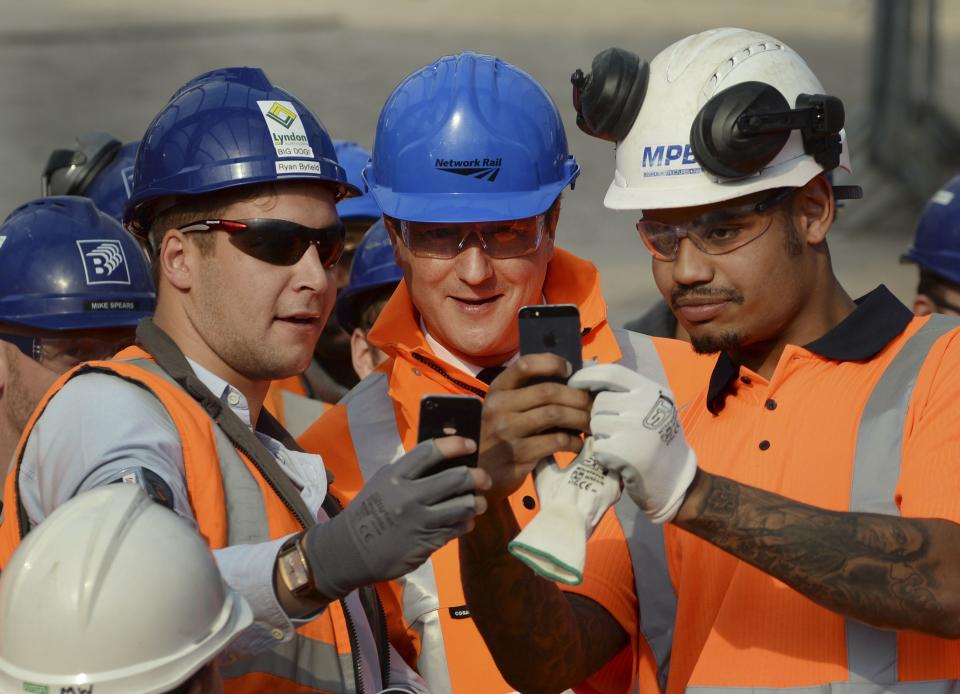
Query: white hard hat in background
[
  {"x": 655, "y": 167},
  {"x": 116, "y": 593}
]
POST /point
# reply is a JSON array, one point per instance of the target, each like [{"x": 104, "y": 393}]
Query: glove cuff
[
  {"x": 333, "y": 558},
  {"x": 684, "y": 479},
  {"x": 554, "y": 545}
]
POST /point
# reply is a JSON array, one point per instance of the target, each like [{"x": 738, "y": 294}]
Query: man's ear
[
  {"x": 178, "y": 260},
  {"x": 361, "y": 353},
  {"x": 923, "y": 305},
  {"x": 814, "y": 209}
]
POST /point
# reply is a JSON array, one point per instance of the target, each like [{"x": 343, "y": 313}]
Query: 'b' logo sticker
[{"x": 104, "y": 261}]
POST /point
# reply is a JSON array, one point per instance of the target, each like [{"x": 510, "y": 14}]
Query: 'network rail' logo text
[{"x": 485, "y": 169}]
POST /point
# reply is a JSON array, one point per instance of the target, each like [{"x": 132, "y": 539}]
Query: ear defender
[
  {"x": 742, "y": 128},
  {"x": 608, "y": 98}
]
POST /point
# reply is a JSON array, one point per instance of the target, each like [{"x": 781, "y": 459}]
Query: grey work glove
[{"x": 396, "y": 522}]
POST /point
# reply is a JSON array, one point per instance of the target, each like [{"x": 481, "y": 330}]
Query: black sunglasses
[{"x": 277, "y": 241}]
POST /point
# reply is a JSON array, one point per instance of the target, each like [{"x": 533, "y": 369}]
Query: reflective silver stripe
[
  {"x": 927, "y": 687},
  {"x": 302, "y": 660},
  {"x": 299, "y": 412},
  {"x": 872, "y": 652},
  {"x": 309, "y": 663},
  {"x": 655, "y": 594},
  {"x": 376, "y": 440}
]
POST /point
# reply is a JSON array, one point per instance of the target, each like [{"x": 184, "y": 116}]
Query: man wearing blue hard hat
[
  {"x": 936, "y": 252},
  {"x": 468, "y": 166},
  {"x": 234, "y": 191},
  {"x": 374, "y": 275},
  {"x": 98, "y": 166},
  {"x": 73, "y": 286}
]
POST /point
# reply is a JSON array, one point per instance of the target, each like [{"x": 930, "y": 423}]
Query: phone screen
[{"x": 450, "y": 415}]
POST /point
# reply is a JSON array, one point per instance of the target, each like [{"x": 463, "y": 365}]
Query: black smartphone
[
  {"x": 450, "y": 415},
  {"x": 553, "y": 328}
]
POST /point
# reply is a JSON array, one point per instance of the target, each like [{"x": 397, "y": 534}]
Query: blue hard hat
[
  {"x": 469, "y": 138},
  {"x": 373, "y": 267},
  {"x": 353, "y": 158},
  {"x": 226, "y": 128},
  {"x": 65, "y": 265},
  {"x": 936, "y": 243},
  {"x": 110, "y": 189},
  {"x": 97, "y": 166}
]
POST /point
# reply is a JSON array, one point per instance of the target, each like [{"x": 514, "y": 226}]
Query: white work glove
[
  {"x": 572, "y": 502},
  {"x": 636, "y": 434}
]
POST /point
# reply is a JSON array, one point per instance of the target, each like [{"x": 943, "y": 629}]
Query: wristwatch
[{"x": 294, "y": 568}]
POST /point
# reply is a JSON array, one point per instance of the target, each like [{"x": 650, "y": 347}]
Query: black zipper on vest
[
  {"x": 331, "y": 506},
  {"x": 456, "y": 381}
]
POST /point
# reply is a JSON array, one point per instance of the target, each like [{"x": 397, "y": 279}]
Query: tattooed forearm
[
  {"x": 542, "y": 639},
  {"x": 885, "y": 570}
]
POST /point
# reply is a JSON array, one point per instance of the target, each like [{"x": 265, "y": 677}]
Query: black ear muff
[
  {"x": 742, "y": 128},
  {"x": 717, "y": 136},
  {"x": 821, "y": 137},
  {"x": 608, "y": 98}
]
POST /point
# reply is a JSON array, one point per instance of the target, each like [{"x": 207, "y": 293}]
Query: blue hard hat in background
[
  {"x": 373, "y": 267},
  {"x": 65, "y": 265},
  {"x": 936, "y": 243},
  {"x": 353, "y": 158},
  {"x": 226, "y": 128},
  {"x": 469, "y": 138},
  {"x": 98, "y": 166}
]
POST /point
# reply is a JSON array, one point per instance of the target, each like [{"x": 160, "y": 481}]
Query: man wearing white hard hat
[
  {"x": 115, "y": 593},
  {"x": 808, "y": 495}
]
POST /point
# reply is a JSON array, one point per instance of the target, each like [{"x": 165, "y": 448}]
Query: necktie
[{"x": 491, "y": 372}]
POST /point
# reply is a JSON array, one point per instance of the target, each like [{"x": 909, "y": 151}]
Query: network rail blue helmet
[
  {"x": 469, "y": 138},
  {"x": 98, "y": 166},
  {"x": 226, "y": 128},
  {"x": 353, "y": 158},
  {"x": 936, "y": 244},
  {"x": 373, "y": 267},
  {"x": 65, "y": 265}
]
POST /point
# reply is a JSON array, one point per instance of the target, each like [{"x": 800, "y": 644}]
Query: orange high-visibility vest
[
  {"x": 377, "y": 421},
  {"x": 320, "y": 657}
]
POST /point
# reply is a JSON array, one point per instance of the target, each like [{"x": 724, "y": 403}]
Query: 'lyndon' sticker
[{"x": 286, "y": 129}]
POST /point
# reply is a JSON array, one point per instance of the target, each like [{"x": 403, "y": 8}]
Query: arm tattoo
[
  {"x": 884, "y": 570},
  {"x": 542, "y": 639}
]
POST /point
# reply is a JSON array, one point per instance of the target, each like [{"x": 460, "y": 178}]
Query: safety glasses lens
[
  {"x": 507, "y": 239},
  {"x": 278, "y": 241}
]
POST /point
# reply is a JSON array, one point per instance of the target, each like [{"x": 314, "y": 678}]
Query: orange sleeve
[
  {"x": 608, "y": 581},
  {"x": 930, "y": 469}
]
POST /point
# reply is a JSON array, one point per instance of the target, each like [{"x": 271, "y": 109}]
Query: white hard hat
[
  {"x": 113, "y": 593},
  {"x": 655, "y": 166}
]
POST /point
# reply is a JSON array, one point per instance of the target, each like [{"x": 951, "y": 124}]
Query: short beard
[{"x": 711, "y": 344}]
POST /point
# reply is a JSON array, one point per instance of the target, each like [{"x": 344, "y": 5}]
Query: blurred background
[{"x": 67, "y": 66}]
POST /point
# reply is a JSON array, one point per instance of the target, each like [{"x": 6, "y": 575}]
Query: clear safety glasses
[
  {"x": 508, "y": 239},
  {"x": 277, "y": 241},
  {"x": 715, "y": 233},
  {"x": 61, "y": 354}
]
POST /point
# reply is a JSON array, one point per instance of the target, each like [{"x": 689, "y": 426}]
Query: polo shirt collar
[{"x": 878, "y": 318}]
